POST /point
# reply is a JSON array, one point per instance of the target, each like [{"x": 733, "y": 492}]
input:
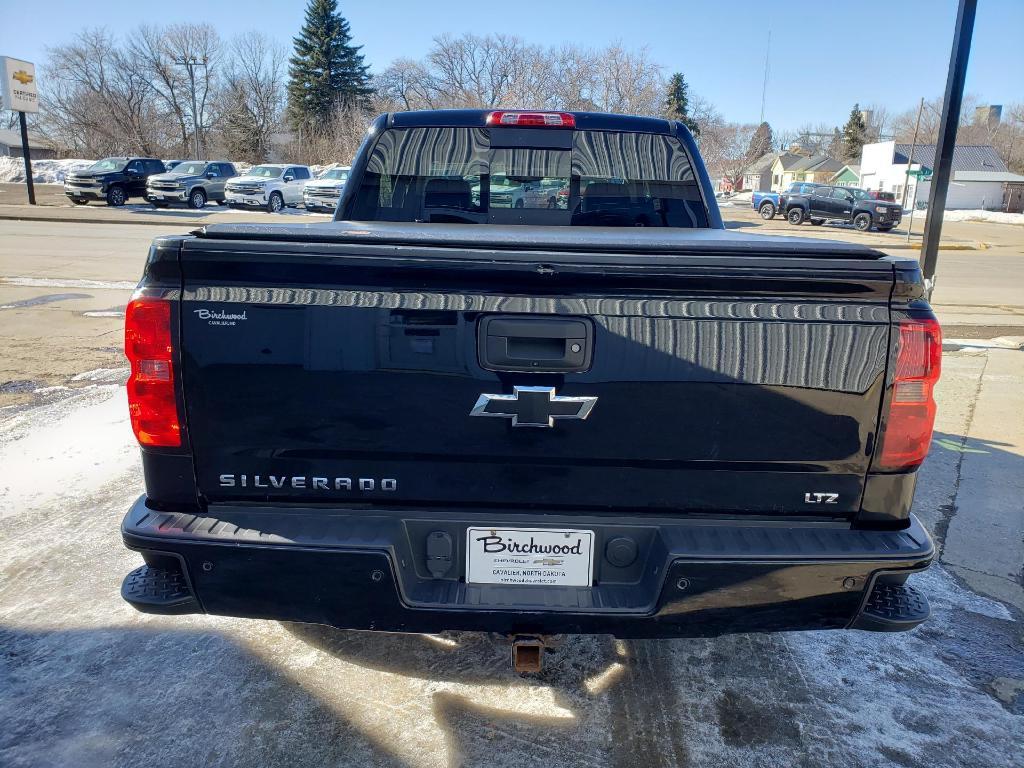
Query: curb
[{"x": 73, "y": 220}]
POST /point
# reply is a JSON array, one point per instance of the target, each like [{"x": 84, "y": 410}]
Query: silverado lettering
[
  {"x": 313, "y": 483},
  {"x": 524, "y": 266}
]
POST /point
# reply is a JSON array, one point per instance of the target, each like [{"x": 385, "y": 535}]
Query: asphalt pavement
[{"x": 87, "y": 681}]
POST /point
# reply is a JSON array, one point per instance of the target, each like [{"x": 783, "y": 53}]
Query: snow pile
[
  {"x": 12, "y": 169},
  {"x": 992, "y": 217}
]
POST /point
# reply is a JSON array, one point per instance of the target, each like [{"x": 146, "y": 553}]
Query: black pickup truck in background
[
  {"x": 114, "y": 180},
  {"x": 846, "y": 204},
  {"x": 442, "y": 411}
]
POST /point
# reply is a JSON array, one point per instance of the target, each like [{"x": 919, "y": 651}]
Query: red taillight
[
  {"x": 908, "y": 426},
  {"x": 151, "y": 401},
  {"x": 532, "y": 119}
]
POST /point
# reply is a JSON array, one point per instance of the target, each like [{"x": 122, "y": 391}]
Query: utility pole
[
  {"x": 906, "y": 180},
  {"x": 764, "y": 87},
  {"x": 951, "y": 104},
  {"x": 190, "y": 65}
]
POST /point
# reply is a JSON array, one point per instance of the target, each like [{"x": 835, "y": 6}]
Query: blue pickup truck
[{"x": 769, "y": 204}]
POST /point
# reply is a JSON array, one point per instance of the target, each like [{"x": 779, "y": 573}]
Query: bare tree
[
  {"x": 336, "y": 141},
  {"x": 628, "y": 82},
  {"x": 724, "y": 147},
  {"x": 252, "y": 98},
  {"x": 405, "y": 85},
  {"x": 97, "y": 100}
]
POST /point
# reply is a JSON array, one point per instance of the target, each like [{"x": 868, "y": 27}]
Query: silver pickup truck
[{"x": 195, "y": 182}]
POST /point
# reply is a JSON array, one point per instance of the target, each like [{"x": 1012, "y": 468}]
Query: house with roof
[
  {"x": 979, "y": 179},
  {"x": 758, "y": 177},
  {"x": 847, "y": 176},
  {"x": 40, "y": 147},
  {"x": 789, "y": 167}
]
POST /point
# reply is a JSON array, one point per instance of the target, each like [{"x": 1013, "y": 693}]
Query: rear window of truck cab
[{"x": 503, "y": 175}]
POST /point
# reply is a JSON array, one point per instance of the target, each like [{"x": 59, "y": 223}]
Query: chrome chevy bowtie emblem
[{"x": 533, "y": 406}]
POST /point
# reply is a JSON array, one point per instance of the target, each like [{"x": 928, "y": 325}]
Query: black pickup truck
[
  {"x": 442, "y": 412},
  {"x": 114, "y": 180},
  {"x": 847, "y": 204}
]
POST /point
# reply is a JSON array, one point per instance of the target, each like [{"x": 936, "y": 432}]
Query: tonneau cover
[{"x": 641, "y": 240}]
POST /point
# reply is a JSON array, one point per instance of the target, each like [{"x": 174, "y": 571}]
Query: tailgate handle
[{"x": 552, "y": 344}]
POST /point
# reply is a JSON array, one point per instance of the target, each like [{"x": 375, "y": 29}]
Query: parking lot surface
[{"x": 86, "y": 681}]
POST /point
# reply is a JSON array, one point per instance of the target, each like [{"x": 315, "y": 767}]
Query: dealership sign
[{"x": 19, "y": 90}]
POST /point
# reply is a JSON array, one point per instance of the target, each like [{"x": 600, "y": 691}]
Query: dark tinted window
[
  {"x": 822, "y": 191},
  {"x": 227, "y": 169},
  {"x": 301, "y": 173},
  {"x": 501, "y": 176},
  {"x": 154, "y": 166},
  {"x": 135, "y": 166}
]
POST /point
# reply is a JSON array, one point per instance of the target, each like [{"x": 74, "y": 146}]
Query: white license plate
[{"x": 544, "y": 556}]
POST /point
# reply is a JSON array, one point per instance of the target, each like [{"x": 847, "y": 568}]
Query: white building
[{"x": 979, "y": 177}]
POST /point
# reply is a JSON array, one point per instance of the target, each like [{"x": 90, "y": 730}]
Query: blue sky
[{"x": 826, "y": 54}]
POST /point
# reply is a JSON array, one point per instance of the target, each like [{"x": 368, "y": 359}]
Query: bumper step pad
[
  {"x": 156, "y": 590},
  {"x": 893, "y": 608}
]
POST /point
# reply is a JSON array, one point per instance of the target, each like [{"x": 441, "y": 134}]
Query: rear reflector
[
  {"x": 908, "y": 426},
  {"x": 151, "y": 400},
  {"x": 533, "y": 119}
]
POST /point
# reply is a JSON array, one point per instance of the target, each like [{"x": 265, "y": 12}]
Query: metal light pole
[
  {"x": 951, "y": 104},
  {"x": 190, "y": 65}
]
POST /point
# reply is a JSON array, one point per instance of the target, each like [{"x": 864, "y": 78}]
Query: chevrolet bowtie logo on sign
[
  {"x": 22, "y": 77},
  {"x": 533, "y": 406}
]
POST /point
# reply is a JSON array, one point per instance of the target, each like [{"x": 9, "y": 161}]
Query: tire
[
  {"x": 519, "y": 203},
  {"x": 795, "y": 216},
  {"x": 196, "y": 199},
  {"x": 862, "y": 222},
  {"x": 817, "y": 222},
  {"x": 276, "y": 203},
  {"x": 116, "y": 196},
  {"x": 767, "y": 211}
]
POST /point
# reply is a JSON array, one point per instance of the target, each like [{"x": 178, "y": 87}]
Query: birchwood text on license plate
[{"x": 543, "y": 556}]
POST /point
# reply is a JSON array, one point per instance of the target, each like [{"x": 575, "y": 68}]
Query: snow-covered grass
[{"x": 12, "y": 169}]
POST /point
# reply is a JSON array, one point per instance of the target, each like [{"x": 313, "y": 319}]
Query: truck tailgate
[{"x": 731, "y": 375}]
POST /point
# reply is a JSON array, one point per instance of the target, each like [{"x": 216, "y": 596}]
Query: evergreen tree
[
  {"x": 326, "y": 71},
  {"x": 761, "y": 142},
  {"x": 854, "y": 136},
  {"x": 677, "y": 102}
]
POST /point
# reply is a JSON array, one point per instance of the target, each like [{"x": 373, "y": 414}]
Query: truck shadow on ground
[{"x": 612, "y": 702}]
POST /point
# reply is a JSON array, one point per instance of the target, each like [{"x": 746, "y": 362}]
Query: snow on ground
[
  {"x": 992, "y": 217},
  {"x": 12, "y": 169}
]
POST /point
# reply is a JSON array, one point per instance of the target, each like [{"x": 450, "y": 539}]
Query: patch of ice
[
  {"x": 103, "y": 375},
  {"x": 59, "y": 282},
  {"x": 105, "y": 313}
]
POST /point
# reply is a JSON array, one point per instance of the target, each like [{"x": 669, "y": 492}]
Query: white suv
[{"x": 272, "y": 186}]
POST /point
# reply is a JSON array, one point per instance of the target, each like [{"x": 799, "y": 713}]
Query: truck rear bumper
[{"x": 366, "y": 569}]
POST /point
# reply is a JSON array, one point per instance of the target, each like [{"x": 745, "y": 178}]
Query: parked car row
[{"x": 271, "y": 186}]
